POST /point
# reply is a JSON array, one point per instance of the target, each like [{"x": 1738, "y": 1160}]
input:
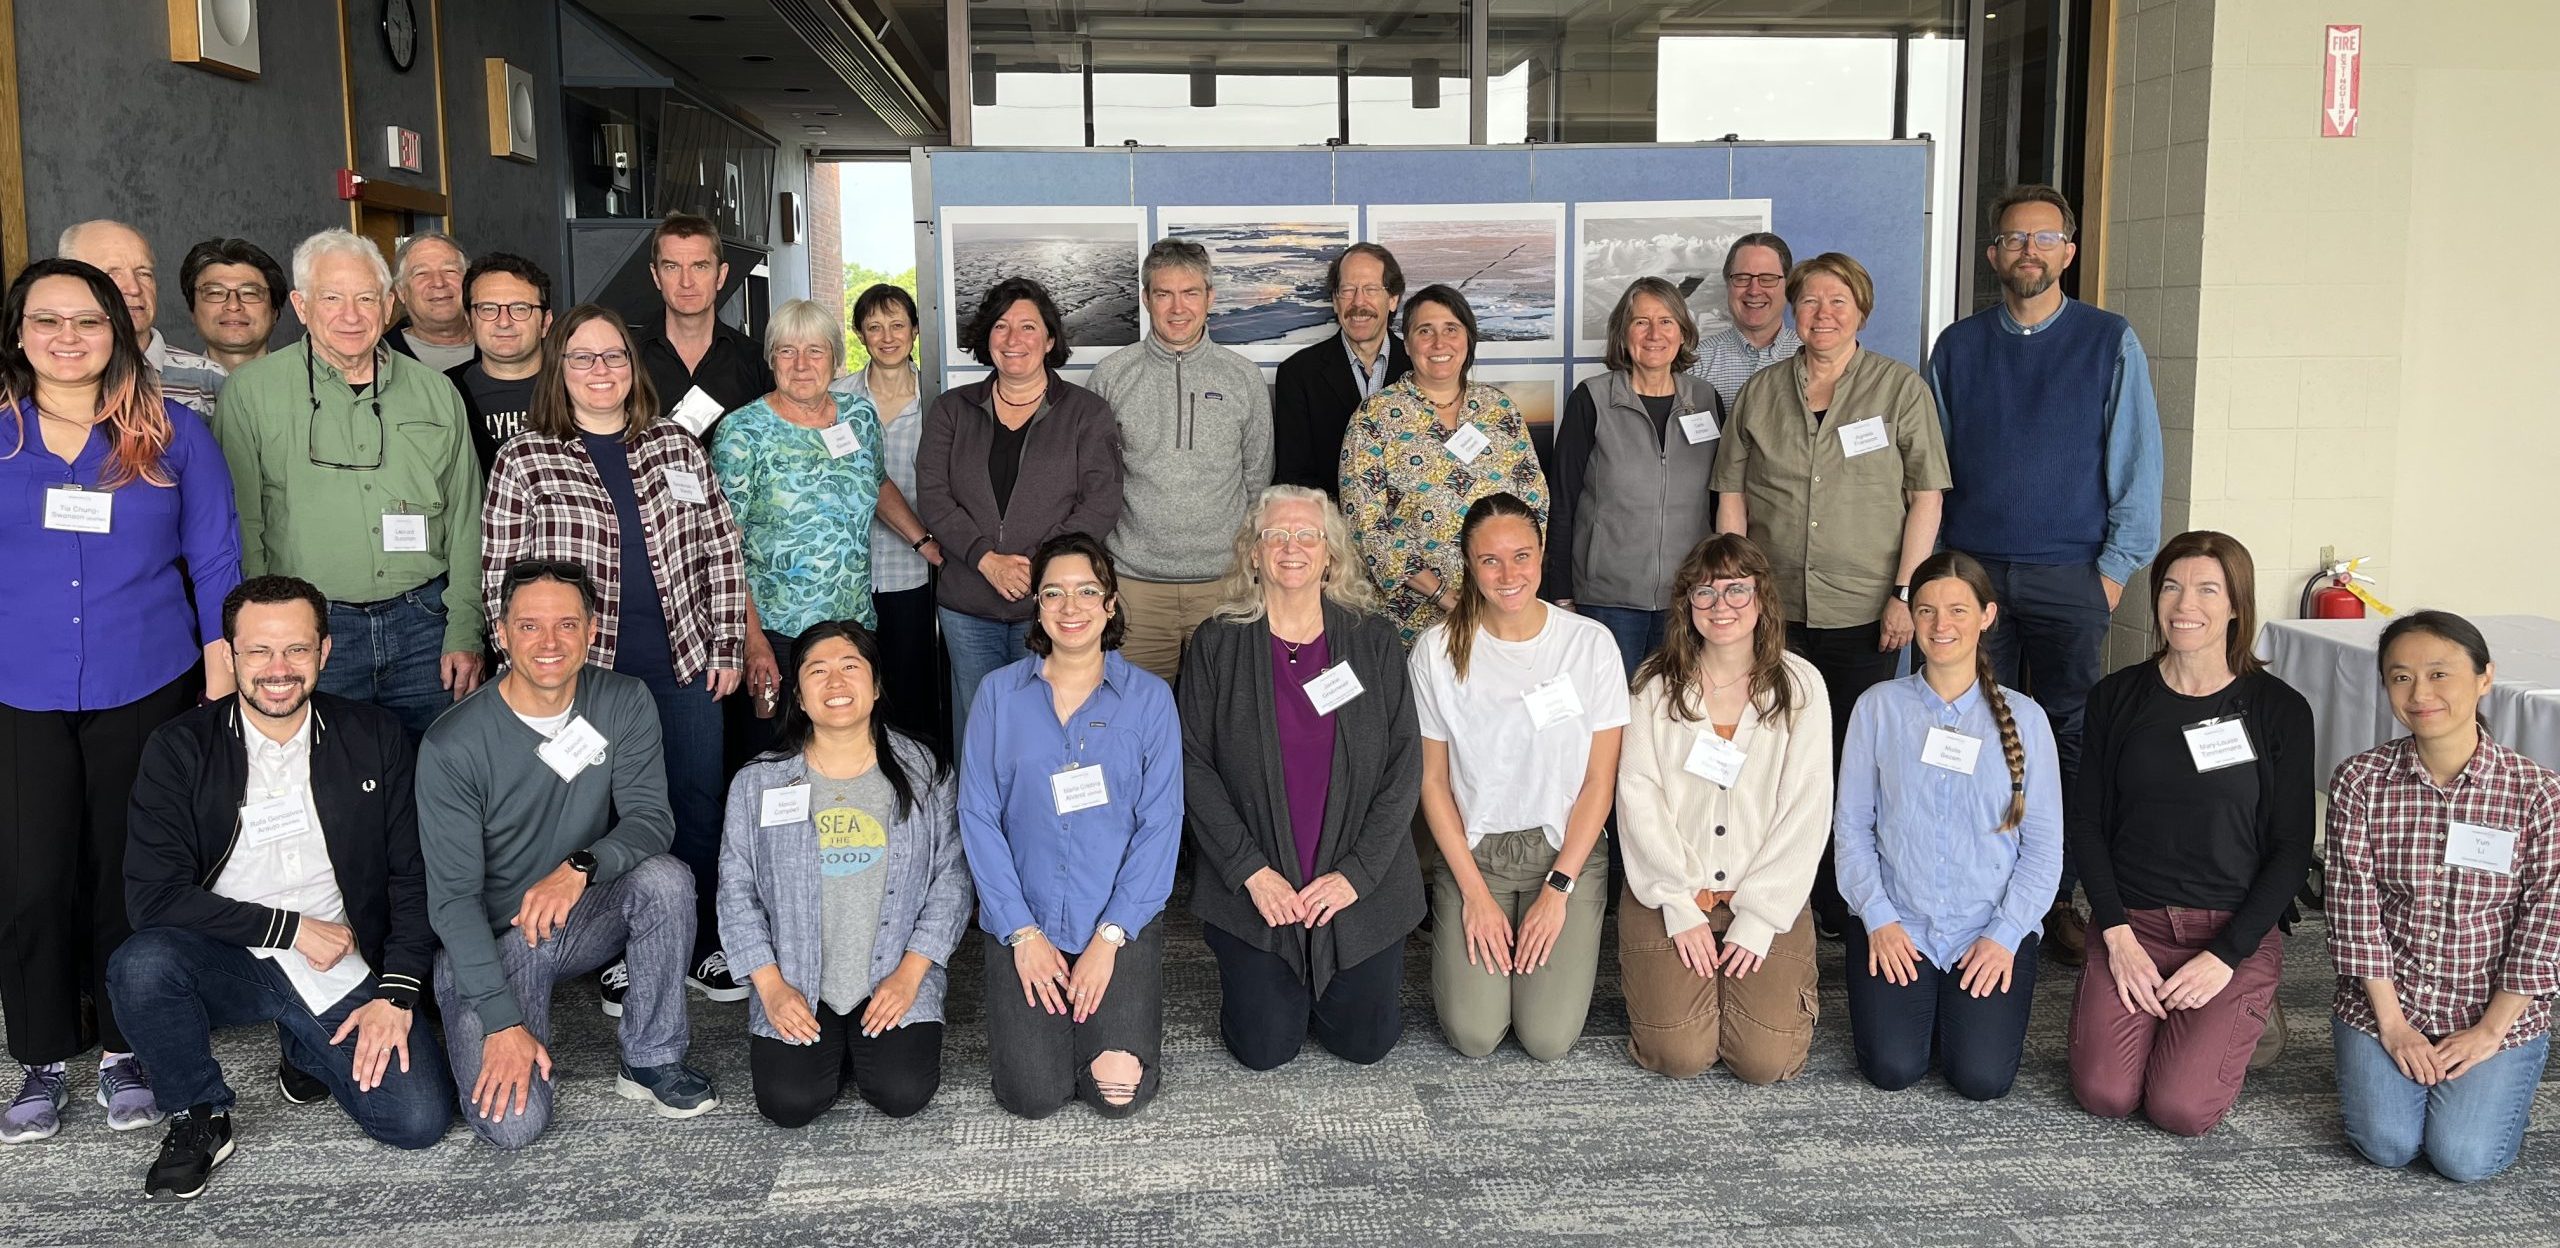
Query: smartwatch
[
  {"x": 1560, "y": 882},
  {"x": 583, "y": 863},
  {"x": 1902, "y": 594}
]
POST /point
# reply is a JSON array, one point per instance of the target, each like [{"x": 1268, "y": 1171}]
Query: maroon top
[{"x": 1306, "y": 743}]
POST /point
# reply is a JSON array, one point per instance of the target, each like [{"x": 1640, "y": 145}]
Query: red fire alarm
[{"x": 350, "y": 184}]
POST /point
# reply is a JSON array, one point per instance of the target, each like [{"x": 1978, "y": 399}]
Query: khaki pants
[
  {"x": 1679, "y": 1022},
  {"x": 1545, "y": 1008},
  {"x": 1161, "y": 616}
]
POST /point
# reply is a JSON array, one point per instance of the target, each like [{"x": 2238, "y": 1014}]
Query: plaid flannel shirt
[
  {"x": 2445, "y": 936},
  {"x": 546, "y": 501}
]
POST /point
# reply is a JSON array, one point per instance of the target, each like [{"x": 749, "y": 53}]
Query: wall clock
[{"x": 400, "y": 32}]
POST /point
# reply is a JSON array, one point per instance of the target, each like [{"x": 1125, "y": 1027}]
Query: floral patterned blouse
[
  {"x": 805, "y": 514},
  {"x": 1406, "y": 493}
]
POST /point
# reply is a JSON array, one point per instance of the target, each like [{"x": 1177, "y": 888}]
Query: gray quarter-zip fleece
[{"x": 1195, "y": 436}]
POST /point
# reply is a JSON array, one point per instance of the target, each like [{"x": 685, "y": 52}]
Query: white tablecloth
[{"x": 2332, "y": 663}]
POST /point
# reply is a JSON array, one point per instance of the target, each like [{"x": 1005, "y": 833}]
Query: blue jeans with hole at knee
[{"x": 2469, "y": 1128}]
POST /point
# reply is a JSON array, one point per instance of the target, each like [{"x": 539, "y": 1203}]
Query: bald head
[{"x": 125, "y": 255}]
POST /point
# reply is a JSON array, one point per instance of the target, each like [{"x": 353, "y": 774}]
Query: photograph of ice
[
  {"x": 1505, "y": 258},
  {"x": 1268, "y": 267},
  {"x": 1087, "y": 258},
  {"x": 1681, "y": 240}
]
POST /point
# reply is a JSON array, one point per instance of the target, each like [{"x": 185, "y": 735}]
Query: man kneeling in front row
[
  {"x": 273, "y": 875},
  {"x": 542, "y": 811}
]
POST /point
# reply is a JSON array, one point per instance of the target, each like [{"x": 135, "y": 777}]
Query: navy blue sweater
[{"x": 2027, "y": 433}]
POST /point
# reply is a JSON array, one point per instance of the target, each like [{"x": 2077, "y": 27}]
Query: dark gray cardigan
[{"x": 1238, "y": 802}]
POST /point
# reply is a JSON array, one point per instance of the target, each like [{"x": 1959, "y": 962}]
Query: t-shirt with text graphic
[{"x": 853, "y": 818}]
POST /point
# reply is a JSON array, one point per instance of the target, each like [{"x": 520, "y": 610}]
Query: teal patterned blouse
[{"x": 805, "y": 515}]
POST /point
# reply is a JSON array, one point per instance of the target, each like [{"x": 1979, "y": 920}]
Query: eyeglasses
[
  {"x": 311, "y": 436},
  {"x": 510, "y": 311},
  {"x": 1303, "y": 537},
  {"x": 1737, "y": 595},
  {"x": 588, "y": 361},
  {"x": 1085, "y": 595},
  {"x": 2017, "y": 240},
  {"x": 298, "y": 656},
  {"x": 85, "y": 324},
  {"x": 1745, "y": 281},
  {"x": 245, "y": 296},
  {"x": 1362, "y": 292}
]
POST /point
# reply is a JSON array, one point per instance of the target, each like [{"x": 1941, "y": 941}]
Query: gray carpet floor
[{"x": 1424, "y": 1148}]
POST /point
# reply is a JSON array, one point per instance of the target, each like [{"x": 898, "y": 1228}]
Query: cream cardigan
[{"x": 1681, "y": 833}]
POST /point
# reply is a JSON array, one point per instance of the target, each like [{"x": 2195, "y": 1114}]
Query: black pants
[
  {"x": 916, "y": 681},
  {"x": 1896, "y": 1027},
  {"x": 1041, "y": 1061},
  {"x": 897, "y": 1071},
  {"x": 747, "y": 736},
  {"x": 1266, "y": 1012},
  {"x": 1850, "y": 665},
  {"x": 65, "y": 780},
  {"x": 2050, "y": 644}
]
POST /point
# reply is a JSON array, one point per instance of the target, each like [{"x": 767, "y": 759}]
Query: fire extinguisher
[{"x": 2337, "y": 592}]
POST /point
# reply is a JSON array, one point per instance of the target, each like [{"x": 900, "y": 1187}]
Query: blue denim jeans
[
  {"x": 1638, "y": 633},
  {"x": 2468, "y": 1128},
  {"x": 1896, "y": 1028},
  {"x": 978, "y": 646},
  {"x": 2050, "y": 643},
  {"x": 173, "y": 987},
  {"x": 697, "y": 786},
  {"x": 391, "y": 653}
]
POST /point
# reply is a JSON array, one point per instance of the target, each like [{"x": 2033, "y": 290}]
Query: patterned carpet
[{"x": 1424, "y": 1148}]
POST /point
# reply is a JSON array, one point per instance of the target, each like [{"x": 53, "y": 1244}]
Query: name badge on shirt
[
  {"x": 841, "y": 440},
  {"x": 1467, "y": 443},
  {"x": 2219, "y": 743},
  {"x": 70, "y": 509},
  {"x": 578, "y": 747},
  {"x": 273, "y": 819},
  {"x": 1861, "y": 436},
  {"x": 1951, "y": 749},
  {"x": 404, "y": 534},
  {"x": 2479, "y": 847},
  {"x": 1338, "y": 684},
  {"x": 695, "y": 411},
  {"x": 1699, "y": 427},
  {"x": 788, "y": 804},
  {"x": 686, "y": 486},
  {"x": 1714, "y": 759},
  {"x": 1552, "y": 702},
  {"x": 1078, "y": 788}
]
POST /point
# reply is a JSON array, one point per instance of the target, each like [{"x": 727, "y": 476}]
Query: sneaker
[
  {"x": 124, "y": 1090},
  {"x": 300, "y": 1087},
  {"x": 613, "y": 984},
  {"x": 199, "y": 1139},
  {"x": 2270, "y": 1041},
  {"x": 680, "y": 1090},
  {"x": 711, "y": 978},
  {"x": 2066, "y": 934},
  {"x": 37, "y": 1112}
]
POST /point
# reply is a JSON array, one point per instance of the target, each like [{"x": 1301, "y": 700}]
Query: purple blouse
[{"x": 1306, "y": 744}]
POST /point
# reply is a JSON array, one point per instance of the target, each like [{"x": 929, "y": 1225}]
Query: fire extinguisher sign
[{"x": 2341, "y": 82}]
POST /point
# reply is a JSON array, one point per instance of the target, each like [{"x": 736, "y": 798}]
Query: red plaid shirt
[
  {"x": 546, "y": 501},
  {"x": 2445, "y": 936}
]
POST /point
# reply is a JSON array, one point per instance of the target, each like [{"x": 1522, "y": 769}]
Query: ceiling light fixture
[{"x": 755, "y": 58}]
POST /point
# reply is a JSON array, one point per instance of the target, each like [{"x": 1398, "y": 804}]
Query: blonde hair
[{"x": 1345, "y": 585}]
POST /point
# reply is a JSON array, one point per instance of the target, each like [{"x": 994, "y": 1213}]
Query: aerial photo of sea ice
[
  {"x": 1087, "y": 259},
  {"x": 1682, "y": 241},
  {"x": 1502, "y": 257},
  {"x": 1268, "y": 267}
]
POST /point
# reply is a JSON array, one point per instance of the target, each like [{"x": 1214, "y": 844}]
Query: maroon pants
[{"x": 2184, "y": 1072}]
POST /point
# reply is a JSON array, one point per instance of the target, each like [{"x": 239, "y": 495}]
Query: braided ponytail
[{"x": 2011, "y": 748}]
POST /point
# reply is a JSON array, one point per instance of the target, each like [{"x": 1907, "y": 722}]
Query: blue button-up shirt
[
  {"x": 1918, "y": 844},
  {"x": 1070, "y": 874},
  {"x": 97, "y": 620}
]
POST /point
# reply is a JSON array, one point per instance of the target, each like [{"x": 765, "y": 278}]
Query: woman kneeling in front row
[
  {"x": 1724, "y": 807},
  {"x": 1949, "y": 843},
  {"x": 842, "y": 893}
]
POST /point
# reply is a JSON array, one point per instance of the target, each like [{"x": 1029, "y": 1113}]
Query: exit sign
[{"x": 402, "y": 150}]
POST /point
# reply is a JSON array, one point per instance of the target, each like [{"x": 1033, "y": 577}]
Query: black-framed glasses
[
  {"x": 1736, "y": 595},
  {"x": 311, "y": 436},
  {"x": 568, "y": 572},
  {"x": 1765, "y": 281},
  {"x": 2045, "y": 240}
]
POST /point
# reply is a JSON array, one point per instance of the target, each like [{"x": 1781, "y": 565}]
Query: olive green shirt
[
  {"x": 1831, "y": 522},
  {"x": 300, "y": 516}
]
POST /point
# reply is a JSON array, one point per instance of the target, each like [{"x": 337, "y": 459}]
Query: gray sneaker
[
  {"x": 37, "y": 1112},
  {"x": 125, "y": 1090},
  {"x": 679, "y": 1090}
]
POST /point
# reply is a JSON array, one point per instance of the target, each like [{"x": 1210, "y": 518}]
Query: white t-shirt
[{"x": 1507, "y": 772}]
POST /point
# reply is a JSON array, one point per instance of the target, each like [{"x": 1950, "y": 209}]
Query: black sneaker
[
  {"x": 298, "y": 1086},
  {"x": 198, "y": 1140},
  {"x": 711, "y": 978},
  {"x": 613, "y": 984}
]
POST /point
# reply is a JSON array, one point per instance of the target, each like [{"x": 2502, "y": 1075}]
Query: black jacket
[
  {"x": 1312, "y": 399},
  {"x": 185, "y": 819}
]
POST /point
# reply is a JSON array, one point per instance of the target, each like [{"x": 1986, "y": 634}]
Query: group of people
[{"x": 1346, "y": 635}]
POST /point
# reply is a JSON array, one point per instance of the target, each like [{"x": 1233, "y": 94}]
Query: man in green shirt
[{"x": 353, "y": 470}]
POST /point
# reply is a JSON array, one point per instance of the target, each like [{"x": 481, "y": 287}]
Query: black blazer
[
  {"x": 185, "y": 818},
  {"x": 1238, "y": 802},
  {"x": 1312, "y": 399}
]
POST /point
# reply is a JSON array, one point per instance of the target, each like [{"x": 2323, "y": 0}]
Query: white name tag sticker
[
  {"x": 1714, "y": 759},
  {"x": 578, "y": 747},
  {"x": 79, "y": 511},
  {"x": 2479, "y": 847},
  {"x": 273, "y": 820},
  {"x": 1861, "y": 436},
  {"x": 404, "y": 534},
  {"x": 841, "y": 440},
  {"x": 1699, "y": 427},
  {"x": 1337, "y": 685},
  {"x": 1951, "y": 749},
  {"x": 686, "y": 485},
  {"x": 1078, "y": 788},
  {"x": 788, "y": 804},
  {"x": 1467, "y": 443},
  {"x": 1553, "y": 703},
  {"x": 695, "y": 411},
  {"x": 2219, "y": 743}
]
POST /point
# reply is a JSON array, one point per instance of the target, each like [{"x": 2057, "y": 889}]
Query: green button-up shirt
[{"x": 313, "y": 483}]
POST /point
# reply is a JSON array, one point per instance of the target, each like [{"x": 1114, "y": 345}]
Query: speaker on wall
[
  {"x": 510, "y": 98},
  {"x": 789, "y": 214},
  {"x": 219, "y": 35}
]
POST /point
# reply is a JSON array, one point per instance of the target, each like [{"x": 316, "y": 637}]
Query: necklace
[
  {"x": 1713, "y": 687},
  {"x": 1292, "y": 648}
]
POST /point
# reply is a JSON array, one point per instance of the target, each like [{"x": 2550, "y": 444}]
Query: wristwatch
[
  {"x": 1560, "y": 882},
  {"x": 1112, "y": 934},
  {"x": 1902, "y": 594},
  {"x": 583, "y": 863},
  {"x": 1024, "y": 934}
]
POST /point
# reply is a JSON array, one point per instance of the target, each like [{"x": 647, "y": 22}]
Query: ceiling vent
[{"x": 853, "y": 47}]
